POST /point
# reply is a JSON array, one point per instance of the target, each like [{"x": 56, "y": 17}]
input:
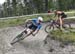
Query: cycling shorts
[{"x": 33, "y": 27}]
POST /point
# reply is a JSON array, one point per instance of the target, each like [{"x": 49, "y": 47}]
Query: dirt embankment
[{"x": 31, "y": 45}]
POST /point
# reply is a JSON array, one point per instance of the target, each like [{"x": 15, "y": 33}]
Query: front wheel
[
  {"x": 17, "y": 39},
  {"x": 49, "y": 28}
]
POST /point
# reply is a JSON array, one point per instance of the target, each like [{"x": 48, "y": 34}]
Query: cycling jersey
[
  {"x": 62, "y": 14},
  {"x": 35, "y": 24}
]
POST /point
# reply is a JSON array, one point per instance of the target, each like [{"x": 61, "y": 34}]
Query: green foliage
[
  {"x": 38, "y": 5},
  {"x": 68, "y": 37},
  {"x": 19, "y": 10},
  {"x": 35, "y": 6},
  {"x": 14, "y": 3},
  {"x": 50, "y": 4},
  {"x": 66, "y": 5}
]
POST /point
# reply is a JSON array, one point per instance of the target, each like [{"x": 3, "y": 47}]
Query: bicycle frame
[{"x": 54, "y": 23}]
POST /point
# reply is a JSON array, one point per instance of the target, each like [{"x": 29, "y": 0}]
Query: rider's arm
[
  {"x": 36, "y": 32},
  {"x": 55, "y": 14},
  {"x": 28, "y": 20}
]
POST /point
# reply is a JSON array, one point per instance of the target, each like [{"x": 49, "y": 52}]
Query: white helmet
[{"x": 40, "y": 18}]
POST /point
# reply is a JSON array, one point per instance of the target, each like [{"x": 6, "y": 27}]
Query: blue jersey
[{"x": 35, "y": 22}]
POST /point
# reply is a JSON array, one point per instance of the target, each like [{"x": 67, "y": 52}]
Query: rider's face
[{"x": 40, "y": 21}]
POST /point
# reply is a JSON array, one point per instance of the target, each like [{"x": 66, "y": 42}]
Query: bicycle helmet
[{"x": 40, "y": 18}]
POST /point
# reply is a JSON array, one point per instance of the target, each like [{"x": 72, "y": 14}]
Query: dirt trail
[{"x": 30, "y": 45}]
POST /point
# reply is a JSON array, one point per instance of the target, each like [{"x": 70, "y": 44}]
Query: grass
[
  {"x": 71, "y": 11},
  {"x": 11, "y": 22},
  {"x": 14, "y": 22},
  {"x": 68, "y": 37},
  {"x": 18, "y": 21},
  {"x": 70, "y": 14}
]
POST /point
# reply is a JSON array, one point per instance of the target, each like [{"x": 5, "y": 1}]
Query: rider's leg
[
  {"x": 61, "y": 23},
  {"x": 29, "y": 32}
]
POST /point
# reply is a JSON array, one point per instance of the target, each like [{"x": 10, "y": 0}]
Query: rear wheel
[{"x": 66, "y": 26}]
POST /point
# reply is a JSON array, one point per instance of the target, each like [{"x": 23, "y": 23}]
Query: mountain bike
[
  {"x": 22, "y": 34},
  {"x": 53, "y": 24}
]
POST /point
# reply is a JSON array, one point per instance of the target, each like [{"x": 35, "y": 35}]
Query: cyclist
[
  {"x": 61, "y": 15},
  {"x": 34, "y": 27}
]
